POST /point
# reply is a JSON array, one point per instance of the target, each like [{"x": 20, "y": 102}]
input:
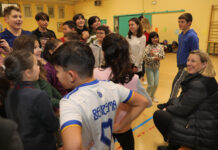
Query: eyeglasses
[{"x": 100, "y": 33}]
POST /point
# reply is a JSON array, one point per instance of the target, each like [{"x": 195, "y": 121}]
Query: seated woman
[{"x": 191, "y": 120}]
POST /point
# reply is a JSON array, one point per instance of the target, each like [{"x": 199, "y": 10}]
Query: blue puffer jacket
[{"x": 187, "y": 42}]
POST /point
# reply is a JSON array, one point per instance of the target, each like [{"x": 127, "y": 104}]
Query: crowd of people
[{"x": 83, "y": 90}]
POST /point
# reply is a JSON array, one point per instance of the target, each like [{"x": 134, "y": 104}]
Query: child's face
[
  {"x": 183, "y": 24},
  {"x": 155, "y": 40},
  {"x": 133, "y": 27},
  {"x": 67, "y": 29},
  {"x": 80, "y": 22},
  {"x": 43, "y": 41},
  {"x": 100, "y": 34},
  {"x": 43, "y": 23},
  {"x": 37, "y": 50},
  {"x": 96, "y": 24},
  {"x": 64, "y": 77},
  {"x": 35, "y": 70},
  {"x": 14, "y": 20}
]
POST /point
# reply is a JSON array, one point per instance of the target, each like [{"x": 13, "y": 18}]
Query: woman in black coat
[{"x": 191, "y": 120}]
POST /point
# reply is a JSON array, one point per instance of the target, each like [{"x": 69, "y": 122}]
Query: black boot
[{"x": 162, "y": 106}]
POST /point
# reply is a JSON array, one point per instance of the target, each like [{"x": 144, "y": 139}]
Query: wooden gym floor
[{"x": 147, "y": 137}]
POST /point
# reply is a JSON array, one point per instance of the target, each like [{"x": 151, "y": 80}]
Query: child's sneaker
[{"x": 155, "y": 100}]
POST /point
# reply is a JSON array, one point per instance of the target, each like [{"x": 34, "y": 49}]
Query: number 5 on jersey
[{"x": 104, "y": 126}]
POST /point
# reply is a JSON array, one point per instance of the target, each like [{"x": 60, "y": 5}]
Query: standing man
[
  {"x": 13, "y": 18},
  {"x": 42, "y": 21},
  {"x": 188, "y": 41}
]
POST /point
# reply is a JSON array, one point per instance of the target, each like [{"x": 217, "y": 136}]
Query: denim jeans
[{"x": 152, "y": 79}]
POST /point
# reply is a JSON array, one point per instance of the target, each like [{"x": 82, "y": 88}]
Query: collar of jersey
[{"x": 92, "y": 82}]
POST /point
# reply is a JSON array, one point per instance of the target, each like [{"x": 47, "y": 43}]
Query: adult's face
[{"x": 194, "y": 64}]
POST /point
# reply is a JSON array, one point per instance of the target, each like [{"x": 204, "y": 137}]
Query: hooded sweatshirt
[{"x": 187, "y": 43}]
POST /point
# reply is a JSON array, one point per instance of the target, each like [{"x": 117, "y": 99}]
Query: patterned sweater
[{"x": 151, "y": 52}]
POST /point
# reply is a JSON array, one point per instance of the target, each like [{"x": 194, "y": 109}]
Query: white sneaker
[{"x": 155, "y": 100}]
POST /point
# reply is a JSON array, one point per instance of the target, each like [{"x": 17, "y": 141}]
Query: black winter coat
[
  {"x": 31, "y": 109},
  {"x": 9, "y": 137},
  {"x": 195, "y": 116}
]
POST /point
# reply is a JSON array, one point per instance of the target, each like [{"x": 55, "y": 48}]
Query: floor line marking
[{"x": 142, "y": 123}]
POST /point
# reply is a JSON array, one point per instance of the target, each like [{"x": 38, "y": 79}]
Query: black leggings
[
  {"x": 125, "y": 139},
  {"x": 163, "y": 122}
]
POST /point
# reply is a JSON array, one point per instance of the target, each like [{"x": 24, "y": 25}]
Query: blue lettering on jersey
[
  {"x": 99, "y": 94},
  {"x": 104, "y": 109}
]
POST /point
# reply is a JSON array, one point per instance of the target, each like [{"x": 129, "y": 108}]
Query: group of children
[
  {"x": 38, "y": 79},
  {"x": 101, "y": 92}
]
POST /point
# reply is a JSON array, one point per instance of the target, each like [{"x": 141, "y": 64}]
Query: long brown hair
[
  {"x": 117, "y": 57},
  {"x": 139, "y": 31}
]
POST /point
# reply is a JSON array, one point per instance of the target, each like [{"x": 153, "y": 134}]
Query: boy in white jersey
[{"x": 87, "y": 112}]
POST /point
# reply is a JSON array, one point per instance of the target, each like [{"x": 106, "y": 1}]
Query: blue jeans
[{"x": 152, "y": 79}]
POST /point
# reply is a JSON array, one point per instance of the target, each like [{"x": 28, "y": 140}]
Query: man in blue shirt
[{"x": 13, "y": 18}]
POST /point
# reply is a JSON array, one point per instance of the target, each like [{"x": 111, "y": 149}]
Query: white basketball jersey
[{"x": 93, "y": 106}]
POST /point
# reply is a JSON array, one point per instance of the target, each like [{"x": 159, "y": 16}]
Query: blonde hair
[
  {"x": 208, "y": 71},
  {"x": 145, "y": 25}
]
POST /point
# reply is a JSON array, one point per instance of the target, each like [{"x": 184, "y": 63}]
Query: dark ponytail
[{"x": 17, "y": 63}]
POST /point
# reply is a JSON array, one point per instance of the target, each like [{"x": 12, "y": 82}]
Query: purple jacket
[{"x": 52, "y": 78}]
